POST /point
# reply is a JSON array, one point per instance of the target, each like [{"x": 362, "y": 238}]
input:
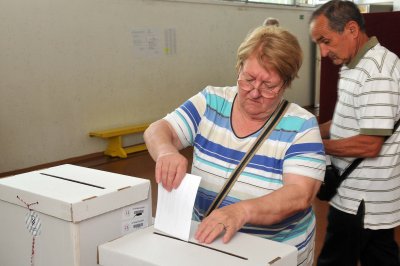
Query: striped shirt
[
  {"x": 368, "y": 103},
  {"x": 294, "y": 146}
]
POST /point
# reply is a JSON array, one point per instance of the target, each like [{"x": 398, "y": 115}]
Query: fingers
[
  {"x": 207, "y": 233},
  {"x": 179, "y": 175},
  {"x": 170, "y": 177},
  {"x": 229, "y": 233},
  {"x": 224, "y": 221},
  {"x": 210, "y": 229},
  {"x": 158, "y": 171},
  {"x": 170, "y": 170},
  {"x": 165, "y": 174}
]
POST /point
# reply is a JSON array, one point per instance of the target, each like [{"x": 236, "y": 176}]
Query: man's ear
[{"x": 352, "y": 27}]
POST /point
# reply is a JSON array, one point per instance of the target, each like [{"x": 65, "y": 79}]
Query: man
[
  {"x": 271, "y": 22},
  {"x": 365, "y": 211}
]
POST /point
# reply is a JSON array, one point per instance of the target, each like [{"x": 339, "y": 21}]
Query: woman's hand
[
  {"x": 296, "y": 195},
  {"x": 226, "y": 220},
  {"x": 171, "y": 167},
  {"x": 163, "y": 145}
]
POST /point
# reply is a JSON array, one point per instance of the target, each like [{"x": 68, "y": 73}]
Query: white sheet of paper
[{"x": 174, "y": 209}]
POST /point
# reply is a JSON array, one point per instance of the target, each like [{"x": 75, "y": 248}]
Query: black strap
[
  {"x": 271, "y": 123},
  {"x": 357, "y": 161}
]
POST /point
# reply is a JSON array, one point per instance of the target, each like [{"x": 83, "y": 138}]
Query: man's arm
[
  {"x": 362, "y": 146},
  {"x": 324, "y": 129}
]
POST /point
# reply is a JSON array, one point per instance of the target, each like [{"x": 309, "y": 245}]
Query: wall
[
  {"x": 71, "y": 66},
  {"x": 396, "y": 5}
]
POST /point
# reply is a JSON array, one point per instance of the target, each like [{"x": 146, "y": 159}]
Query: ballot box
[
  {"x": 59, "y": 215},
  {"x": 148, "y": 246}
]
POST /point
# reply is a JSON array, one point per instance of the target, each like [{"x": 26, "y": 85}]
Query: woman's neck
[{"x": 244, "y": 124}]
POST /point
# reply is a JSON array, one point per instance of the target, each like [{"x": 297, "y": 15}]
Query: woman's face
[{"x": 259, "y": 90}]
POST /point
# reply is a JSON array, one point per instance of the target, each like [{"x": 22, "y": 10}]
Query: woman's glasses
[{"x": 266, "y": 90}]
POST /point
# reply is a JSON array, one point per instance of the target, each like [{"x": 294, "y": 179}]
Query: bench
[{"x": 114, "y": 137}]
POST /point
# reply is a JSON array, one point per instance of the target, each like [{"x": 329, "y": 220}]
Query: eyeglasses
[{"x": 266, "y": 90}]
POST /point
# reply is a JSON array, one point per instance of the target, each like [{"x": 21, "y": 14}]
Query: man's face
[{"x": 339, "y": 47}]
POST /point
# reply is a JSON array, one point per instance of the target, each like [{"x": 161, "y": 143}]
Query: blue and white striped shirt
[{"x": 294, "y": 146}]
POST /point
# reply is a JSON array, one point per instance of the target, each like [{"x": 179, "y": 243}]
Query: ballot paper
[{"x": 174, "y": 209}]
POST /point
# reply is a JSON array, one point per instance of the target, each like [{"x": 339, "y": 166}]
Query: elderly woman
[{"x": 273, "y": 195}]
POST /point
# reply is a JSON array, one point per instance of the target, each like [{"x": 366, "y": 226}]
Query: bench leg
[
  {"x": 135, "y": 148},
  {"x": 115, "y": 148}
]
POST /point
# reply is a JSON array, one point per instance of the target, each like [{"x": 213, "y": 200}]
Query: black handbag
[
  {"x": 332, "y": 179},
  {"x": 330, "y": 185}
]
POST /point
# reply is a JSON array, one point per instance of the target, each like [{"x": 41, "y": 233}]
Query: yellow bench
[{"x": 114, "y": 137}]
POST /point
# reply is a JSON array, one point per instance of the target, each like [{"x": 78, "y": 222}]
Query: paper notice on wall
[
  {"x": 170, "y": 41},
  {"x": 153, "y": 42},
  {"x": 174, "y": 209}
]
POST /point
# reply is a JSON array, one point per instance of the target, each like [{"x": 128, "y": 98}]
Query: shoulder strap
[{"x": 271, "y": 124}]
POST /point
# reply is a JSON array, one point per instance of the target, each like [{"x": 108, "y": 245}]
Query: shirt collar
[{"x": 360, "y": 54}]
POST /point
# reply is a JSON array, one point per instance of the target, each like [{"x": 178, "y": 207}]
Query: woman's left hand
[{"x": 226, "y": 220}]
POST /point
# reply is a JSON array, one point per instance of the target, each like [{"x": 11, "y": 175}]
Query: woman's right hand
[{"x": 171, "y": 168}]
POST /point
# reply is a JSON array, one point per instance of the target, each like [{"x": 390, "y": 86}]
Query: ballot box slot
[
  {"x": 274, "y": 260},
  {"x": 75, "y": 181},
  {"x": 197, "y": 244}
]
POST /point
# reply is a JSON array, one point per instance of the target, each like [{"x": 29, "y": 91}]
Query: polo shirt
[{"x": 368, "y": 103}]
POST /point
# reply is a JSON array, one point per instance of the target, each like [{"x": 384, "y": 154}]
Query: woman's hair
[
  {"x": 274, "y": 47},
  {"x": 339, "y": 13}
]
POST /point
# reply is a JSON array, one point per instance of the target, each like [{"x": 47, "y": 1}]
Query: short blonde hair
[{"x": 274, "y": 46}]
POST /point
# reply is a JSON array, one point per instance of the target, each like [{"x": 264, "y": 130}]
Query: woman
[{"x": 272, "y": 198}]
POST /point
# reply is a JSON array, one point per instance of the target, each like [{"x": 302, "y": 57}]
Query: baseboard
[{"x": 89, "y": 160}]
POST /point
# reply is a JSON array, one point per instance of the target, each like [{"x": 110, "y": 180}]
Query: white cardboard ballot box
[
  {"x": 149, "y": 247},
  {"x": 59, "y": 215}
]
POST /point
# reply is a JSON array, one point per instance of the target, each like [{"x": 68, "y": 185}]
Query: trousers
[{"x": 347, "y": 242}]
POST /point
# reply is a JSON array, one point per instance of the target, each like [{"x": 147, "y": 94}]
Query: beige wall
[
  {"x": 396, "y": 5},
  {"x": 70, "y": 66}
]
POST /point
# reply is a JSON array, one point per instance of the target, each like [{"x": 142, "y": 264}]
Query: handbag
[
  {"x": 332, "y": 179},
  {"x": 271, "y": 123}
]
